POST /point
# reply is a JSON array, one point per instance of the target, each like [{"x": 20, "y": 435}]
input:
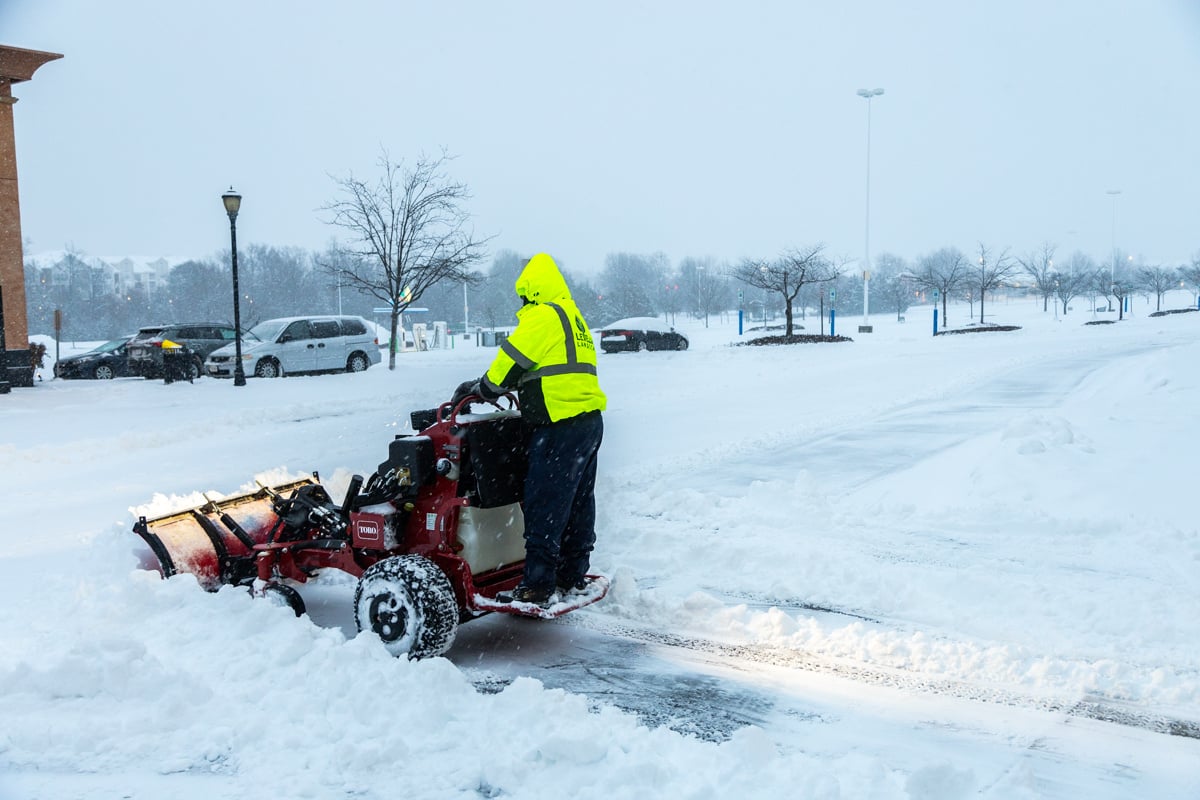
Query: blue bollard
[
  {"x": 739, "y": 322},
  {"x": 935, "y": 313},
  {"x": 832, "y": 322}
]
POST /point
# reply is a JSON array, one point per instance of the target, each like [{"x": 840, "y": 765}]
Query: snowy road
[{"x": 880, "y": 445}]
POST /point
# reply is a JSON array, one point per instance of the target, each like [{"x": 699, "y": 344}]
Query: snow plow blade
[{"x": 215, "y": 541}]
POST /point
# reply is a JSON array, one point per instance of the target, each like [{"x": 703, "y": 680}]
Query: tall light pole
[
  {"x": 868, "y": 94},
  {"x": 1112, "y": 270},
  {"x": 764, "y": 274},
  {"x": 233, "y": 202},
  {"x": 699, "y": 297}
]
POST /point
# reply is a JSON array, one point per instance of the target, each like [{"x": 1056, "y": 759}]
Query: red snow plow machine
[{"x": 434, "y": 536}]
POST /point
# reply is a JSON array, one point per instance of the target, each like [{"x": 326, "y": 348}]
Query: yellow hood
[{"x": 541, "y": 281}]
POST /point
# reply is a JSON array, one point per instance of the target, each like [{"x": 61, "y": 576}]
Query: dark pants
[{"x": 560, "y": 501}]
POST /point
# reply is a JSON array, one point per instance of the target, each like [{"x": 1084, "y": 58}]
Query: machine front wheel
[{"x": 407, "y": 602}]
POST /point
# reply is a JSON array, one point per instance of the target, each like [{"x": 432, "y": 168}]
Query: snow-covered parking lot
[{"x": 903, "y": 566}]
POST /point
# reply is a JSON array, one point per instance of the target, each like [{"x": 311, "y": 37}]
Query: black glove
[{"x": 465, "y": 389}]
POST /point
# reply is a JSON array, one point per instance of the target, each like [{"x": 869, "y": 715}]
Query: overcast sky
[{"x": 692, "y": 128}]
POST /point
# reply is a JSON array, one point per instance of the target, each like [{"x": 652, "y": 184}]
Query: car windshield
[
  {"x": 107, "y": 347},
  {"x": 267, "y": 331}
]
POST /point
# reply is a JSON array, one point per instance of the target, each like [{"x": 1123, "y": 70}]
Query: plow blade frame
[{"x": 215, "y": 541}]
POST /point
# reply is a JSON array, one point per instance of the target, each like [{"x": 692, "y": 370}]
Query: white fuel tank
[{"x": 491, "y": 537}]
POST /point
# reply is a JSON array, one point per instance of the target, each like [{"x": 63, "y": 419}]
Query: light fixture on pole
[
  {"x": 866, "y": 328},
  {"x": 233, "y": 202}
]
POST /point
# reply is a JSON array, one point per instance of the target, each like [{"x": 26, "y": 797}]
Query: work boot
[
  {"x": 527, "y": 594},
  {"x": 577, "y": 587}
]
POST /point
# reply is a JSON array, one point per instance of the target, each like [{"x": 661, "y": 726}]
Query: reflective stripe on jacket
[{"x": 550, "y": 359}]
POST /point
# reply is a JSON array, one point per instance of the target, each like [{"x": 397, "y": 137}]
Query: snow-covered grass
[{"x": 1013, "y": 513}]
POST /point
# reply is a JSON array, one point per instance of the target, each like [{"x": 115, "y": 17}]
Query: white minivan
[{"x": 298, "y": 345}]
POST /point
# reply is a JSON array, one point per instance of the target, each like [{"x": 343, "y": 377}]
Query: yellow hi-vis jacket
[{"x": 550, "y": 359}]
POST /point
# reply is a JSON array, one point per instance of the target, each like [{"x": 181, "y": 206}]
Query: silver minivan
[{"x": 299, "y": 345}]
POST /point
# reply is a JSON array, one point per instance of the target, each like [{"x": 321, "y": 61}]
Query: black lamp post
[{"x": 233, "y": 201}]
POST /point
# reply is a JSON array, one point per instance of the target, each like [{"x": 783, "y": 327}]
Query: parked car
[
  {"x": 200, "y": 338},
  {"x": 297, "y": 345},
  {"x": 641, "y": 333},
  {"x": 108, "y": 361}
]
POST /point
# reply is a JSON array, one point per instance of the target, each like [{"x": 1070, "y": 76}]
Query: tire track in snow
[{"x": 1096, "y": 708}]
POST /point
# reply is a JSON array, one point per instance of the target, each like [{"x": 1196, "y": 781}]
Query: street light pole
[
  {"x": 233, "y": 202},
  {"x": 868, "y": 94},
  {"x": 1112, "y": 270},
  {"x": 764, "y": 273}
]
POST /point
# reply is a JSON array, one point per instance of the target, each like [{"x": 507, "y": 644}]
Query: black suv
[{"x": 200, "y": 338}]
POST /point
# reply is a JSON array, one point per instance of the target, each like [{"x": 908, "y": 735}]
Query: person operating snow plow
[{"x": 550, "y": 360}]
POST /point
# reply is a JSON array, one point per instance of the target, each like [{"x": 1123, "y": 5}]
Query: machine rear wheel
[
  {"x": 357, "y": 363},
  {"x": 407, "y": 602}
]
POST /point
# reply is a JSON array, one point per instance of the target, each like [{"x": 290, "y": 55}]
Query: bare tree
[
  {"x": 408, "y": 232},
  {"x": 702, "y": 279},
  {"x": 1123, "y": 281},
  {"x": 630, "y": 285},
  {"x": 994, "y": 272},
  {"x": 1156, "y": 279},
  {"x": 891, "y": 283},
  {"x": 942, "y": 272},
  {"x": 1068, "y": 286},
  {"x": 1039, "y": 265},
  {"x": 1078, "y": 270},
  {"x": 787, "y": 274},
  {"x": 1191, "y": 273},
  {"x": 494, "y": 301}
]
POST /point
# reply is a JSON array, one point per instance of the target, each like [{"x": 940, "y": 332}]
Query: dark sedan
[
  {"x": 641, "y": 333},
  {"x": 105, "y": 362}
]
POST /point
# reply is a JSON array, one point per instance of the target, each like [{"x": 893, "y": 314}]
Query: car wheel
[
  {"x": 683, "y": 344},
  {"x": 195, "y": 370},
  {"x": 357, "y": 363},
  {"x": 104, "y": 372},
  {"x": 641, "y": 345},
  {"x": 267, "y": 368}
]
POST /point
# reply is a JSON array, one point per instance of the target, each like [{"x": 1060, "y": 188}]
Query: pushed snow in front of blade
[
  {"x": 596, "y": 589},
  {"x": 164, "y": 505}
]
